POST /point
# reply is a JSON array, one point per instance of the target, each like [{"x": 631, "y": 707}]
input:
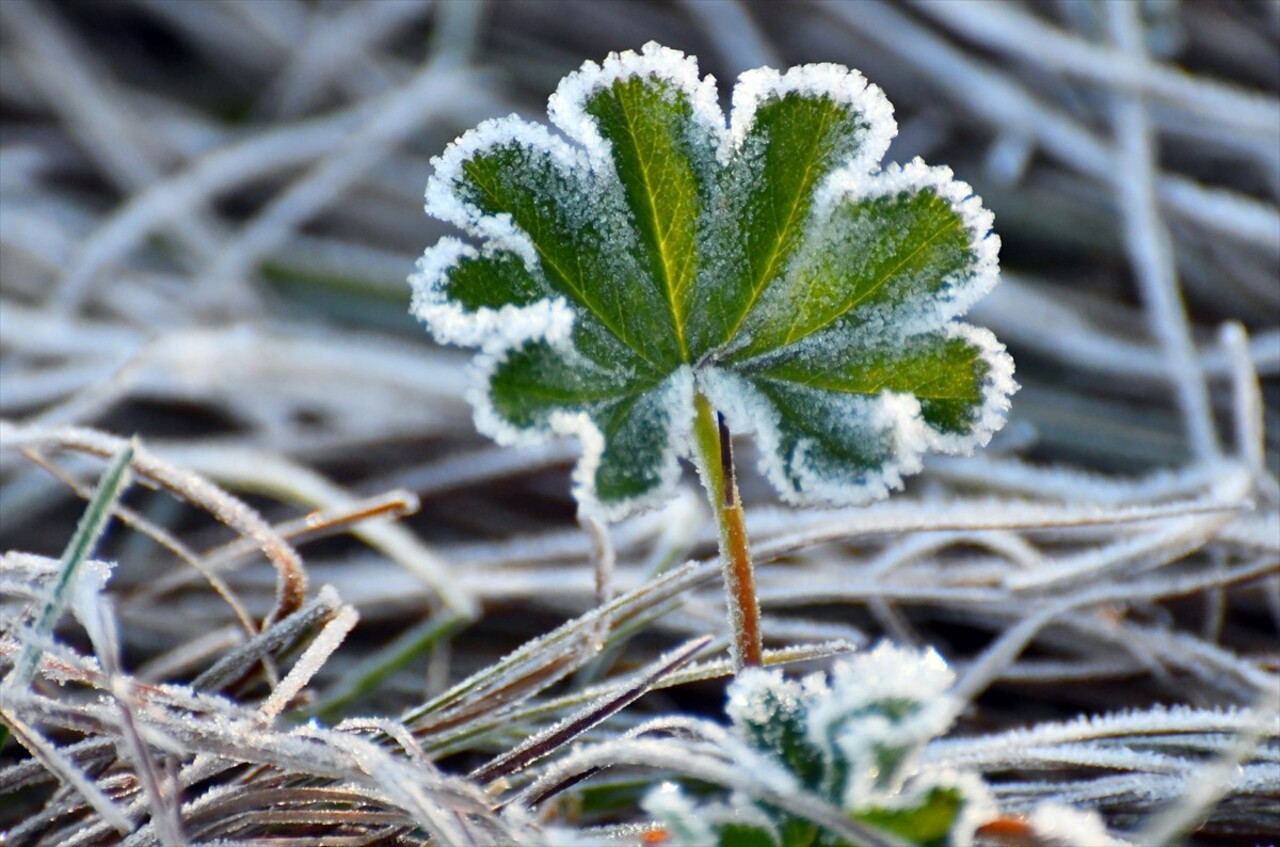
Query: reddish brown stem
[{"x": 715, "y": 463}]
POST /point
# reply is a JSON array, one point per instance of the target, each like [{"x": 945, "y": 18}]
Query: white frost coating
[
  {"x": 896, "y": 415},
  {"x": 998, "y": 386},
  {"x": 566, "y": 106},
  {"x": 855, "y": 183},
  {"x": 686, "y": 826},
  {"x": 675, "y": 396},
  {"x": 1063, "y": 826},
  {"x": 886, "y": 673},
  {"x": 747, "y": 701},
  {"x": 443, "y": 202},
  {"x": 891, "y": 671},
  {"x": 449, "y": 323},
  {"x": 837, "y": 82},
  {"x": 511, "y": 325}
]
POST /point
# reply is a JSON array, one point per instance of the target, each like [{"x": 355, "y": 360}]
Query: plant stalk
[{"x": 715, "y": 466}]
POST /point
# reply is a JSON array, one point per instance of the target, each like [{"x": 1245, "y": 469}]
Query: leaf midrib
[
  {"x": 824, "y": 382},
  {"x": 792, "y": 337},
  {"x": 495, "y": 197},
  {"x": 545, "y": 392},
  {"x": 761, "y": 283},
  {"x": 668, "y": 281}
]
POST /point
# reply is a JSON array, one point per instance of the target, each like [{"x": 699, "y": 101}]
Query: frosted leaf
[
  {"x": 859, "y": 729},
  {"x": 884, "y": 706},
  {"x": 850, "y": 741},
  {"x": 656, "y": 250},
  {"x": 771, "y": 713},
  {"x": 685, "y": 823},
  {"x": 1063, "y": 826}
]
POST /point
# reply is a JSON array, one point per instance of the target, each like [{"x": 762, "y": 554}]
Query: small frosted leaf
[
  {"x": 1055, "y": 824},
  {"x": 884, "y": 706},
  {"x": 851, "y": 741},
  {"x": 767, "y": 262},
  {"x": 771, "y": 713},
  {"x": 927, "y": 823},
  {"x": 686, "y": 826}
]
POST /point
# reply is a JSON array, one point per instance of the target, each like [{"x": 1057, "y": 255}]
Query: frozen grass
[{"x": 207, "y": 213}]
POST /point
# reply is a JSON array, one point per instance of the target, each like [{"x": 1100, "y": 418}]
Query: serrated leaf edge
[
  {"x": 550, "y": 318},
  {"x": 843, "y": 85},
  {"x": 677, "y": 401},
  {"x": 499, "y": 231},
  {"x": 746, "y": 410},
  {"x": 998, "y": 386},
  {"x": 959, "y": 295},
  {"x": 567, "y": 105}
]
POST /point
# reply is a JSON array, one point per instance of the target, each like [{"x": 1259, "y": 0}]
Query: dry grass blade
[
  {"x": 292, "y": 578},
  {"x": 546, "y": 742}
]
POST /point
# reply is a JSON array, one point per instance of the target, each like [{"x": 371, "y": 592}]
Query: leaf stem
[{"x": 714, "y": 453}]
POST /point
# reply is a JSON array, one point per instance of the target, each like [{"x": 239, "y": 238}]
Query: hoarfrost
[
  {"x": 443, "y": 201},
  {"x": 840, "y": 84},
  {"x": 509, "y": 326},
  {"x": 566, "y": 107},
  {"x": 890, "y": 671},
  {"x": 889, "y": 702},
  {"x": 959, "y": 293},
  {"x": 686, "y": 826},
  {"x": 1056, "y": 824},
  {"x": 757, "y": 696}
]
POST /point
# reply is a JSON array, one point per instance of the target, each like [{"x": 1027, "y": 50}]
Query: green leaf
[
  {"x": 769, "y": 264},
  {"x": 928, "y": 823},
  {"x": 870, "y": 253},
  {"x": 792, "y": 138},
  {"x": 629, "y": 420},
  {"x": 745, "y": 835},
  {"x": 491, "y": 282},
  {"x": 664, "y": 169},
  {"x": 771, "y": 714},
  {"x": 850, "y": 739}
]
